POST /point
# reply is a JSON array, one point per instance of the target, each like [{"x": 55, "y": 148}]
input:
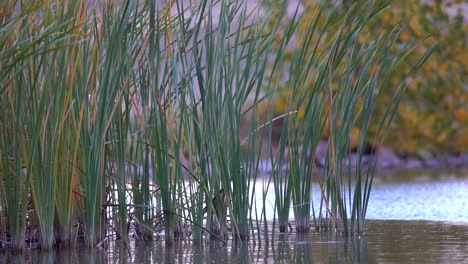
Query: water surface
[
  {"x": 415, "y": 217},
  {"x": 386, "y": 241},
  {"x": 434, "y": 195}
]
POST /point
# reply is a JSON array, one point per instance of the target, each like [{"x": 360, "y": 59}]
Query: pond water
[
  {"x": 434, "y": 195},
  {"x": 414, "y": 217},
  {"x": 387, "y": 241},
  {"x": 420, "y": 195}
]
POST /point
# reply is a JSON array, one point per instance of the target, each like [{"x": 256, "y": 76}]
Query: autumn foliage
[{"x": 432, "y": 118}]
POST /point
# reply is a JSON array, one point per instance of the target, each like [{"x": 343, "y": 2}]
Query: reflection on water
[
  {"x": 401, "y": 195},
  {"x": 385, "y": 241},
  {"x": 406, "y": 196},
  {"x": 443, "y": 200},
  {"x": 417, "y": 241},
  {"x": 78, "y": 255},
  {"x": 437, "y": 195}
]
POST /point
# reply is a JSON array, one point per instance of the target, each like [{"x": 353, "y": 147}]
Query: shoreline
[{"x": 386, "y": 160}]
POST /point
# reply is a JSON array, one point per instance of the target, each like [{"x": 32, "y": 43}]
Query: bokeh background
[{"x": 432, "y": 118}]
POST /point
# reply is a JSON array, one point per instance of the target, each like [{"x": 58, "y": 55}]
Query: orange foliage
[{"x": 433, "y": 114}]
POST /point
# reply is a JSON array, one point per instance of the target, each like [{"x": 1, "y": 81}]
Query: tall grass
[
  {"x": 281, "y": 183},
  {"x": 119, "y": 132},
  {"x": 352, "y": 105},
  {"x": 132, "y": 114},
  {"x": 304, "y": 139},
  {"x": 33, "y": 115},
  {"x": 333, "y": 83}
]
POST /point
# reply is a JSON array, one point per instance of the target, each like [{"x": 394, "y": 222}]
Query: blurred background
[{"x": 431, "y": 124}]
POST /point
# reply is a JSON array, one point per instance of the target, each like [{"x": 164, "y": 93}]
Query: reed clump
[{"x": 123, "y": 120}]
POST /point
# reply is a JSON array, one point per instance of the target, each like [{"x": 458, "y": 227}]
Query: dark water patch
[{"x": 417, "y": 242}]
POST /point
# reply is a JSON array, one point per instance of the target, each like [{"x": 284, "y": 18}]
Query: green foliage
[
  {"x": 337, "y": 72},
  {"x": 131, "y": 115}
]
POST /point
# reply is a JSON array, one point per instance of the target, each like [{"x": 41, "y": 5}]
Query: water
[
  {"x": 424, "y": 197},
  {"x": 415, "y": 217},
  {"x": 434, "y": 195},
  {"x": 386, "y": 241}
]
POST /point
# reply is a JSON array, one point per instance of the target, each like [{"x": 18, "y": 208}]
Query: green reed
[
  {"x": 34, "y": 115},
  {"x": 110, "y": 56},
  {"x": 123, "y": 115},
  {"x": 333, "y": 83},
  {"x": 300, "y": 135},
  {"x": 355, "y": 78},
  {"x": 15, "y": 180},
  {"x": 281, "y": 183},
  {"x": 166, "y": 101},
  {"x": 119, "y": 132},
  {"x": 230, "y": 64},
  {"x": 141, "y": 190}
]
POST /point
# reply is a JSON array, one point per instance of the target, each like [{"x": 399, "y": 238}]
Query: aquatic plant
[
  {"x": 333, "y": 83},
  {"x": 225, "y": 89},
  {"x": 33, "y": 116},
  {"x": 352, "y": 102},
  {"x": 145, "y": 118}
]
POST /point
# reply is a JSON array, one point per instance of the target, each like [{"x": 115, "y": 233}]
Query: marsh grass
[
  {"x": 333, "y": 84},
  {"x": 130, "y": 114},
  {"x": 352, "y": 105}
]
